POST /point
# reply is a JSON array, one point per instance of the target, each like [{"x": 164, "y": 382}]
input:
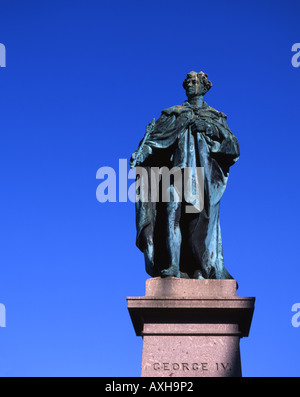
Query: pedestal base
[{"x": 191, "y": 327}]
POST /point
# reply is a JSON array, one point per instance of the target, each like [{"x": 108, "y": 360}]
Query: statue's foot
[
  {"x": 172, "y": 271},
  {"x": 198, "y": 274},
  {"x": 184, "y": 275}
]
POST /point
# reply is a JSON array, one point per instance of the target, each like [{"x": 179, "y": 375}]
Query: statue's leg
[
  {"x": 173, "y": 236},
  {"x": 208, "y": 253},
  {"x": 194, "y": 228},
  {"x": 149, "y": 258},
  {"x": 149, "y": 252}
]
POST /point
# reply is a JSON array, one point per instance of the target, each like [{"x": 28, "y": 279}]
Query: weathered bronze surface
[{"x": 177, "y": 242}]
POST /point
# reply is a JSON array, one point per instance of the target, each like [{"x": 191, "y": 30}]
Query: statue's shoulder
[
  {"x": 176, "y": 110},
  {"x": 216, "y": 112},
  {"x": 179, "y": 109}
]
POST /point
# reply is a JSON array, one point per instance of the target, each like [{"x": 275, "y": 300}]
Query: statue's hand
[
  {"x": 198, "y": 125},
  {"x": 132, "y": 159},
  {"x": 137, "y": 158}
]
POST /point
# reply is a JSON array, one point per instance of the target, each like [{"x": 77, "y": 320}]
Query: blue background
[{"x": 83, "y": 78}]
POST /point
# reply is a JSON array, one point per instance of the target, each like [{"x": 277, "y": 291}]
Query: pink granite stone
[
  {"x": 190, "y": 288},
  {"x": 191, "y": 327}
]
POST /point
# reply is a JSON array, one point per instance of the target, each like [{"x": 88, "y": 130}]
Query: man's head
[{"x": 196, "y": 84}]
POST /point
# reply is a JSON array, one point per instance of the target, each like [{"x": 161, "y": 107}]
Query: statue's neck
[{"x": 196, "y": 100}]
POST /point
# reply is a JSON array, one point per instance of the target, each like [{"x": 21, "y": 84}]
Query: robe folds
[{"x": 173, "y": 144}]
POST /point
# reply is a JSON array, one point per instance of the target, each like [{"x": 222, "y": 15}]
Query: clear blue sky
[{"x": 83, "y": 78}]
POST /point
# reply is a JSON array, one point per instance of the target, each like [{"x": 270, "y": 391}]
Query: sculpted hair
[{"x": 203, "y": 79}]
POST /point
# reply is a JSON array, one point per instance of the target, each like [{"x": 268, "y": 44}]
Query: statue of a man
[{"x": 176, "y": 242}]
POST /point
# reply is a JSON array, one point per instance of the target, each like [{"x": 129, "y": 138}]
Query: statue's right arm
[
  {"x": 163, "y": 136},
  {"x": 165, "y": 132},
  {"x": 142, "y": 156}
]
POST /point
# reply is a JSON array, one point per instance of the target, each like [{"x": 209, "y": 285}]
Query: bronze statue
[{"x": 176, "y": 242}]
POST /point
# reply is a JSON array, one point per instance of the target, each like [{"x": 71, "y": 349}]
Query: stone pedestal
[{"x": 191, "y": 328}]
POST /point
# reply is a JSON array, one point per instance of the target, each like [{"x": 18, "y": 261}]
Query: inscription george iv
[{"x": 191, "y": 366}]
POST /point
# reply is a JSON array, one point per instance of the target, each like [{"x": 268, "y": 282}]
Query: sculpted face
[{"x": 193, "y": 86}]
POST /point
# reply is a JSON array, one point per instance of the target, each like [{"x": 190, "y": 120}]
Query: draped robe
[{"x": 173, "y": 144}]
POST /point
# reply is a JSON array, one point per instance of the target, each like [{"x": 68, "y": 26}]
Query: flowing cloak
[{"x": 174, "y": 145}]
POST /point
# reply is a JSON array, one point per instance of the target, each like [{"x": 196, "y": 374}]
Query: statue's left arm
[{"x": 223, "y": 144}]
